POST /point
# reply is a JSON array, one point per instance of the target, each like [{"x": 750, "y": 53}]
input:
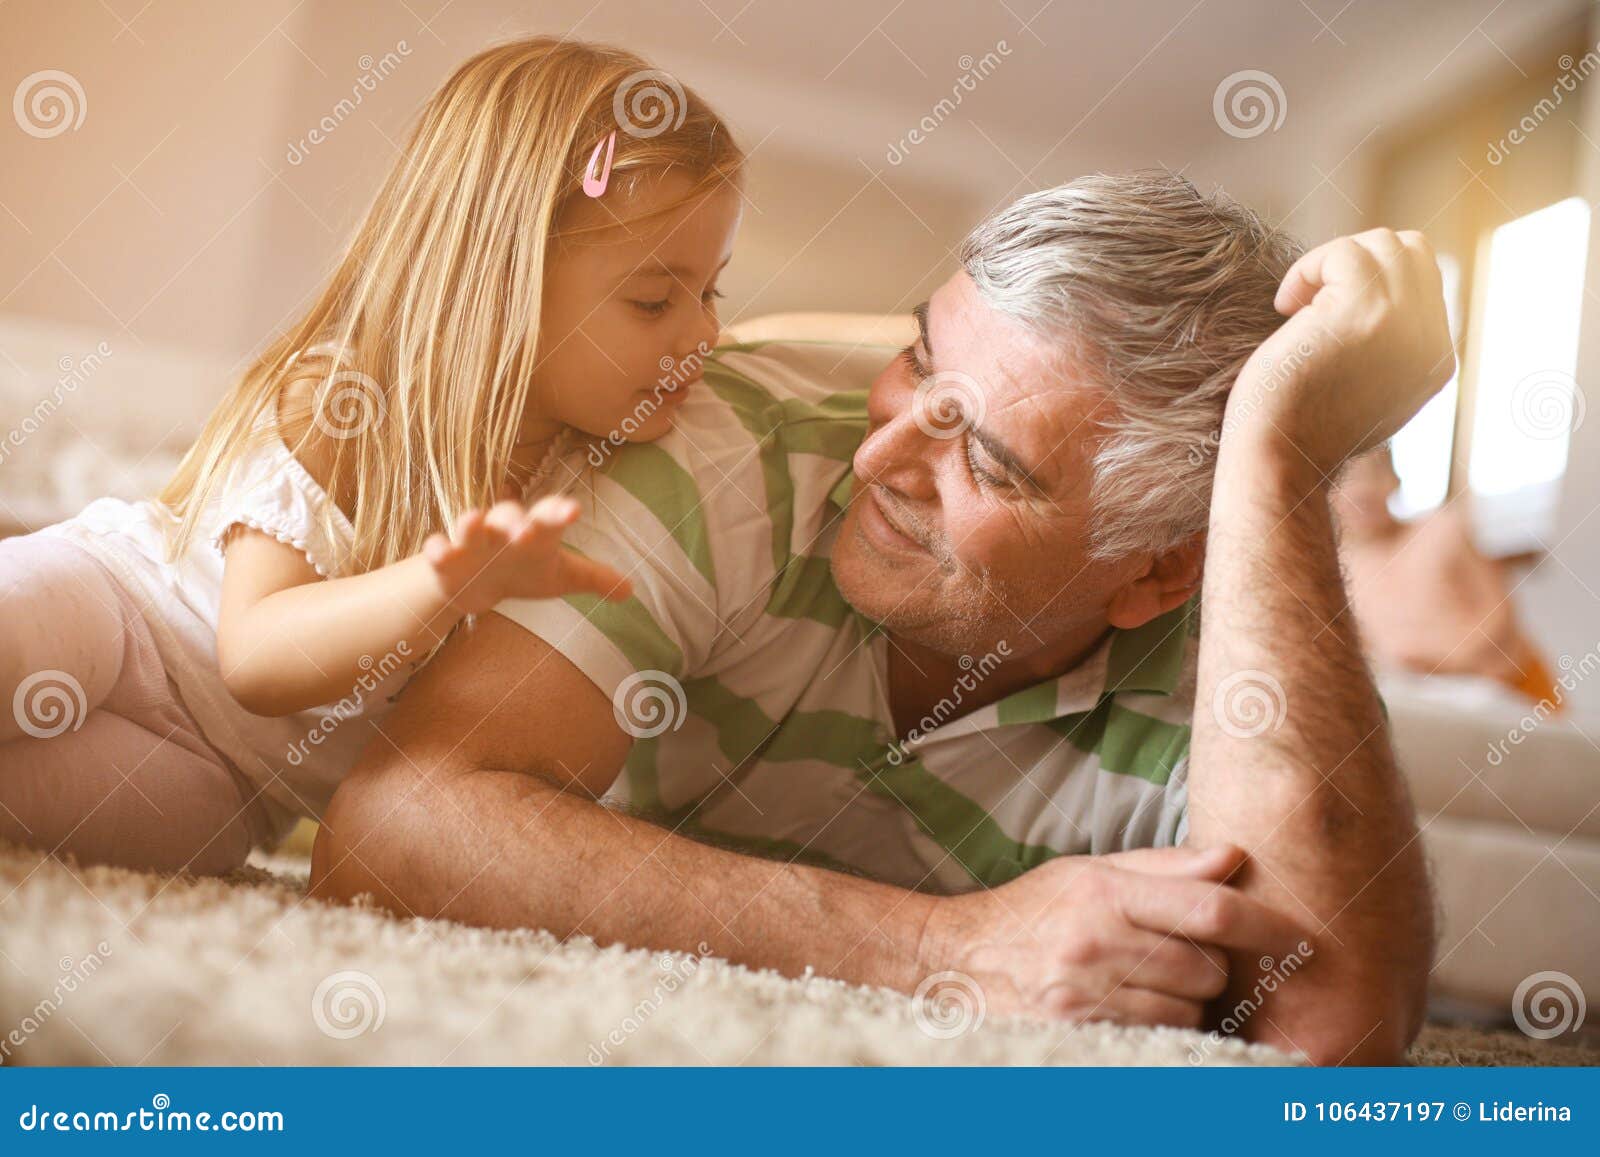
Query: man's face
[{"x": 971, "y": 512}]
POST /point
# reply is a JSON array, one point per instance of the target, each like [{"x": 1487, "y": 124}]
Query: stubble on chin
[{"x": 947, "y": 609}]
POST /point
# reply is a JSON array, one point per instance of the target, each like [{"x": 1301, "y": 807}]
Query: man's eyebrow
[{"x": 920, "y": 312}]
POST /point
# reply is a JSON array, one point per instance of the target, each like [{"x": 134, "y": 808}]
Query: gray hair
[{"x": 1159, "y": 294}]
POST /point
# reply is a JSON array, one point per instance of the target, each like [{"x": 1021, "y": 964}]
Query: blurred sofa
[
  {"x": 1510, "y": 806},
  {"x": 86, "y": 412}
]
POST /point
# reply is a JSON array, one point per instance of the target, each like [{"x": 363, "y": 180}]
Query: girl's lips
[{"x": 665, "y": 396}]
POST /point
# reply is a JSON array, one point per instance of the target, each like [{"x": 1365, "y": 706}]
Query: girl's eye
[
  {"x": 711, "y": 295},
  {"x": 653, "y": 308}
]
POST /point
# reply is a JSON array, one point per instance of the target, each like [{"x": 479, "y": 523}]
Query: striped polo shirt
[{"x": 758, "y": 697}]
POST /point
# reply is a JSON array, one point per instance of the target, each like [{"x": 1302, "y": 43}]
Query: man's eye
[
  {"x": 983, "y": 476},
  {"x": 652, "y": 308}
]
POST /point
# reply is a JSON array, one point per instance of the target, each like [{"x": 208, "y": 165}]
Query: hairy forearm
[
  {"x": 505, "y": 849},
  {"x": 308, "y": 645},
  {"x": 1291, "y": 760}
]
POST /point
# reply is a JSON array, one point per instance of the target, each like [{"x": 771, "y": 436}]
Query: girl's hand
[{"x": 512, "y": 552}]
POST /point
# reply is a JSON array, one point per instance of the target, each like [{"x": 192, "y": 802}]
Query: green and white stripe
[{"x": 784, "y": 743}]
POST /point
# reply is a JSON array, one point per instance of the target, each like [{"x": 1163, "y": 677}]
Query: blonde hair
[
  {"x": 422, "y": 346},
  {"x": 1158, "y": 293}
]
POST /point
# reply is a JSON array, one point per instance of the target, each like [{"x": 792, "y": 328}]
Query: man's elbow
[
  {"x": 1365, "y": 1024},
  {"x": 1374, "y": 997}
]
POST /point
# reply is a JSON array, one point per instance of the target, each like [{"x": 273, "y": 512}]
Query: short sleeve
[
  {"x": 705, "y": 520},
  {"x": 269, "y": 490}
]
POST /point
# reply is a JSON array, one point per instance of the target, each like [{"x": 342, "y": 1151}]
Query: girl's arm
[{"x": 288, "y": 639}]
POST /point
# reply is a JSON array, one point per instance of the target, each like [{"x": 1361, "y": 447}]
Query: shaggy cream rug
[{"x": 102, "y": 966}]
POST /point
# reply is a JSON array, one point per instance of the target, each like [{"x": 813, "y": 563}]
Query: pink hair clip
[{"x": 594, "y": 184}]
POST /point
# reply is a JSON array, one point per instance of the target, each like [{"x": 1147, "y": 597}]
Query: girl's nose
[{"x": 702, "y": 336}]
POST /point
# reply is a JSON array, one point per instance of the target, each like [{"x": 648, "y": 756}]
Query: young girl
[{"x": 190, "y": 675}]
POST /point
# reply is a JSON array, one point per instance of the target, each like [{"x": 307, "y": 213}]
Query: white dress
[{"x": 297, "y": 760}]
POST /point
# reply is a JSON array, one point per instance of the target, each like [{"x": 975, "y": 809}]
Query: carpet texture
[{"x": 102, "y": 966}]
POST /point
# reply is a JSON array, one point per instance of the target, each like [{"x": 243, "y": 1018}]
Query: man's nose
[{"x": 896, "y": 452}]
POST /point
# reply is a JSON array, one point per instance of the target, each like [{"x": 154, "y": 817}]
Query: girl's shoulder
[
  {"x": 295, "y": 423},
  {"x": 278, "y": 485},
  {"x": 302, "y": 440}
]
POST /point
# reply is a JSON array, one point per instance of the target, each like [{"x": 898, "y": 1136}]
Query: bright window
[
  {"x": 1525, "y": 393},
  {"x": 1421, "y": 451}
]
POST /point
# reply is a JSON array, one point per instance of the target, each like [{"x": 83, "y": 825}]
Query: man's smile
[{"x": 885, "y": 527}]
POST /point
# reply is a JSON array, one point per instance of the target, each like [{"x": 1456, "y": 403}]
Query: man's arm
[
  {"x": 475, "y": 803},
  {"x": 1291, "y": 754}
]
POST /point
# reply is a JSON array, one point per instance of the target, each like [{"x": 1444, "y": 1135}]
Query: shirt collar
[
  {"x": 1147, "y": 660},
  {"x": 1150, "y": 658}
]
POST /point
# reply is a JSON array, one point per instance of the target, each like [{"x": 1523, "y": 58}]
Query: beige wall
[
  {"x": 175, "y": 214},
  {"x": 148, "y": 221},
  {"x": 191, "y": 208}
]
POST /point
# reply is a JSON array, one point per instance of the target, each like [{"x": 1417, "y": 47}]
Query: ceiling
[{"x": 1069, "y": 82}]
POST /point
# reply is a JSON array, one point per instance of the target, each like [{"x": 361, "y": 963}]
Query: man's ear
[{"x": 1170, "y": 580}]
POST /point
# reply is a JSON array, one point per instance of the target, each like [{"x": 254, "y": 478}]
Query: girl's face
[{"x": 628, "y": 315}]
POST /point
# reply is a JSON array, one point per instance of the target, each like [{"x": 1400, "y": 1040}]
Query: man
[{"x": 928, "y": 639}]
